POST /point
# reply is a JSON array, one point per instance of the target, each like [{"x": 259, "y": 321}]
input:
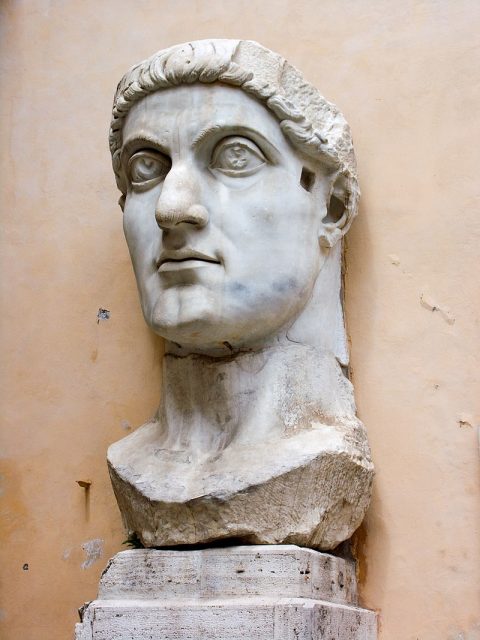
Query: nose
[{"x": 179, "y": 200}]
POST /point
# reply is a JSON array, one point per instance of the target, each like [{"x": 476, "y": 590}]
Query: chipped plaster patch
[
  {"x": 465, "y": 420},
  {"x": 428, "y": 303},
  {"x": 93, "y": 550},
  {"x": 103, "y": 314},
  {"x": 395, "y": 260}
]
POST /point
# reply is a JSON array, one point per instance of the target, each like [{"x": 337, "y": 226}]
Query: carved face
[{"x": 221, "y": 218}]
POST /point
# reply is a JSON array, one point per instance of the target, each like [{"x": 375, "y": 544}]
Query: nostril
[
  {"x": 197, "y": 214},
  {"x": 169, "y": 217},
  {"x": 166, "y": 217}
]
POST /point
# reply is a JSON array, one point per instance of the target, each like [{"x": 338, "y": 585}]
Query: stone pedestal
[{"x": 279, "y": 592}]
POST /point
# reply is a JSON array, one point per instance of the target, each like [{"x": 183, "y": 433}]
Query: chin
[
  {"x": 207, "y": 335},
  {"x": 190, "y": 325}
]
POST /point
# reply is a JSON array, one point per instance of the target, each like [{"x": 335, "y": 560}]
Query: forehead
[{"x": 187, "y": 110}]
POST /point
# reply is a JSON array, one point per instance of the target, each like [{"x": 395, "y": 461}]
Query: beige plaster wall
[{"x": 406, "y": 76}]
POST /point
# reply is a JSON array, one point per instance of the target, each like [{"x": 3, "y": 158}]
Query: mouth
[{"x": 184, "y": 259}]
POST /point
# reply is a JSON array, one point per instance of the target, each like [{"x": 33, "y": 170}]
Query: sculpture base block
[{"x": 237, "y": 593}]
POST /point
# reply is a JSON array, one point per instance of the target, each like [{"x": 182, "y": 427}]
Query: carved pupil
[
  {"x": 145, "y": 168},
  {"x": 236, "y": 157}
]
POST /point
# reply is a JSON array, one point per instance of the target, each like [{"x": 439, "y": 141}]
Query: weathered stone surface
[
  {"x": 268, "y": 570},
  {"x": 309, "y": 486},
  {"x": 264, "y": 619},
  {"x": 238, "y": 183},
  {"x": 274, "y": 593}
]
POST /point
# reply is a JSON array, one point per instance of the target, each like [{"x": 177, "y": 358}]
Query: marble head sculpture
[{"x": 238, "y": 183}]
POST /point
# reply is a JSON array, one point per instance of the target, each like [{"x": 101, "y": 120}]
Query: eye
[
  {"x": 147, "y": 168},
  {"x": 237, "y": 156}
]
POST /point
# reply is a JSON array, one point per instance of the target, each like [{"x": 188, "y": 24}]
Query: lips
[{"x": 184, "y": 259}]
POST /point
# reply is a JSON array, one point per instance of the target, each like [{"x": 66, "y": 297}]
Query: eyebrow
[
  {"x": 205, "y": 132},
  {"x": 230, "y": 129},
  {"x": 142, "y": 139}
]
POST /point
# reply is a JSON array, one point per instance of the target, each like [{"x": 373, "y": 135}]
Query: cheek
[
  {"x": 282, "y": 201},
  {"x": 285, "y": 218},
  {"x": 139, "y": 223}
]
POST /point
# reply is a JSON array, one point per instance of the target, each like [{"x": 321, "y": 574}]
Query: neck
[{"x": 210, "y": 404}]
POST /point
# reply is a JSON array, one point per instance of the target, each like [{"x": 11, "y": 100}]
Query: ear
[{"x": 341, "y": 209}]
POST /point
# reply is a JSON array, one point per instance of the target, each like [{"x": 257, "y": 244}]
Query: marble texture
[
  {"x": 238, "y": 183},
  {"x": 274, "y": 593},
  {"x": 305, "y": 480}
]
